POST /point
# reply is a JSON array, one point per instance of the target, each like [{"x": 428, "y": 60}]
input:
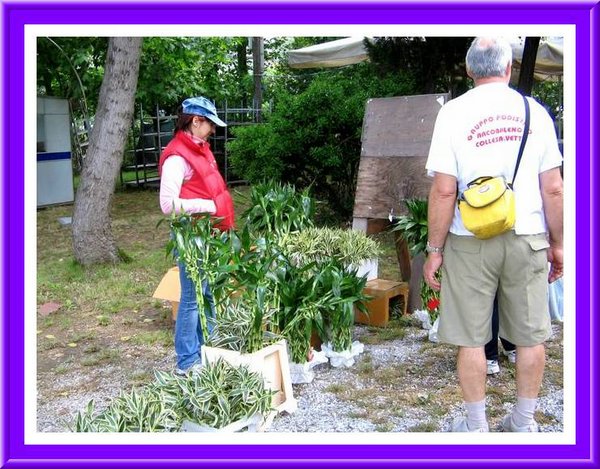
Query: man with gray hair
[{"x": 479, "y": 134}]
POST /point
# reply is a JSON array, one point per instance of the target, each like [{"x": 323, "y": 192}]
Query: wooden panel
[
  {"x": 400, "y": 126},
  {"x": 384, "y": 182}
]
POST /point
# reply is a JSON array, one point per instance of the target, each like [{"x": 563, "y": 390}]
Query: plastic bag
[
  {"x": 555, "y": 300},
  {"x": 302, "y": 372},
  {"x": 433, "y": 331},
  {"x": 423, "y": 316},
  {"x": 345, "y": 358}
]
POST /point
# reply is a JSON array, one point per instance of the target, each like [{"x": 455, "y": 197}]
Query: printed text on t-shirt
[{"x": 495, "y": 129}]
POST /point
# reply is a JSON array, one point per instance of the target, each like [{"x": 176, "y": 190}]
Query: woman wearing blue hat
[{"x": 191, "y": 183}]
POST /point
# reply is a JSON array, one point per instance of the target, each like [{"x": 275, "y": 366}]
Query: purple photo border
[{"x": 13, "y": 451}]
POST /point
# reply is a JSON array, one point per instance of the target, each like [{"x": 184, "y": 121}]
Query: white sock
[
  {"x": 522, "y": 414},
  {"x": 476, "y": 415}
]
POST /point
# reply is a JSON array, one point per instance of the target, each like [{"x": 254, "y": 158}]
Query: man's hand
[
  {"x": 555, "y": 257},
  {"x": 432, "y": 265}
]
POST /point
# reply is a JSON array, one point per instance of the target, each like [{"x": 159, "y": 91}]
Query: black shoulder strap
[{"x": 524, "y": 139}]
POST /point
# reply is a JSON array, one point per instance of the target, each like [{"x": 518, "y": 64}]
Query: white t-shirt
[{"x": 479, "y": 134}]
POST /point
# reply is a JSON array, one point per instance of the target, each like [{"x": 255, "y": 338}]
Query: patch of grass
[
  {"x": 80, "y": 336},
  {"x": 500, "y": 393},
  {"x": 141, "y": 378},
  {"x": 104, "y": 356},
  {"x": 425, "y": 427},
  {"x": 94, "y": 348},
  {"x": 385, "y": 427},
  {"x": 379, "y": 335},
  {"x": 360, "y": 414},
  {"x": 62, "y": 320},
  {"x": 160, "y": 337},
  {"x": 544, "y": 419},
  {"x": 365, "y": 366},
  {"x": 335, "y": 388},
  {"x": 103, "y": 320},
  {"x": 63, "y": 367},
  {"x": 392, "y": 333},
  {"x": 49, "y": 345}
]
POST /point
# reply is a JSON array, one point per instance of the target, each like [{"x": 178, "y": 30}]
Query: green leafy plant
[
  {"x": 321, "y": 244},
  {"x": 299, "y": 309},
  {"x": 414, "y": 229},
  {"x": 278, "y": 209},
  {"x": 313, "y": 136},
  {"x": 218, "y": 395},
  {"x": 206, "y": 253},
  {"x": 136, "y": 411},
  {"x": 341, "y": 291},
  {"x": 244, "y": 324},
  {"x": 413, "y": 226}
]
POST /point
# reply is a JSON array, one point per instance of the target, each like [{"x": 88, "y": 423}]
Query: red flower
[{"x": 433, "y": 304}]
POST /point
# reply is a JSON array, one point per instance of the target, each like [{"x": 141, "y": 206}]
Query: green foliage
[
  {"x": 218, "y": 395},
  {"x": 252, "y": 153},
  {"x": 322, "y": 244},
  {"x": 313, "y": 138},
  {"x": 206, "y": 253},
  {"x": 277, "y": 209},
  {"x": 435, "y": 63},
  {"x": 244, "y": 323},
  {"x": 413, "y": 226},
  {"x": 171, "y": 69},
  {"x": 136, "y": 411},
  {"x": 345, "y": 291},
  {"x": 174, "y": 68},
  {"x": 550, "y": 93},
  {"x": 71, "y": 67}
]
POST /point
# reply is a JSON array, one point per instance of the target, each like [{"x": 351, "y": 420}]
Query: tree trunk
[
  {"x": 257, "y": 65},
  {"x": 93, "y": 241}
]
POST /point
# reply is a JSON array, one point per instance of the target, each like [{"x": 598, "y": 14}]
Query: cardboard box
[
  {"x": 271, "y": 361},
  {"x": 382, "y": 292},
  {"x": 169, "y": 289}
]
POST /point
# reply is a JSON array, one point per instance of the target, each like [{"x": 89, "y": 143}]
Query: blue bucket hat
[{"x": 200, "y": 106}]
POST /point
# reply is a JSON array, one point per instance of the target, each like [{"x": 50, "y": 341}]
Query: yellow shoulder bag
[{"x": 487, "y": 205}]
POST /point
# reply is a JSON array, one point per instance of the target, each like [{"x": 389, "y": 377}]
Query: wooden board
[
  {"x": 384, "y": 182},
  {"x": 395, "y": 144},
  {"x": 401, "y": 126}
]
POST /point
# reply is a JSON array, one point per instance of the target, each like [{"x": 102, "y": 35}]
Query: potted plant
[
  {"x": 278, "y": 209},
  {"x": 413, "y": 228},
  {"x": 243, "y": 334},
  {"x": 351, "y": 248},
  {"x": 221, "y": 397}
]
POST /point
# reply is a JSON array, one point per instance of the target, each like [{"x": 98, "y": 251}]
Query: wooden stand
[{"x": 382, "y": 292}]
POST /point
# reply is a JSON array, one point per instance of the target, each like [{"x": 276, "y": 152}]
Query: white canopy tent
[
  {"x": 347, "y": 51},
  {"x": 351, "y": 50},
  {"x": 548, "y": 62}
]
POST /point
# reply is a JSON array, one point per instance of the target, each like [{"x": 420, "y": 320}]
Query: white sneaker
[
  {"x": 195, "y": 368},
  {"x": 511, "y": 355},
  {"x": 508, "y": 425},
  {"x": 460, "y": 425},
  {"x": 492, "y": 367}
]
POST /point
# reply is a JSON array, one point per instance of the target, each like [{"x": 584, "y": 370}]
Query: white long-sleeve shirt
[{"x": 175, "y": 171}]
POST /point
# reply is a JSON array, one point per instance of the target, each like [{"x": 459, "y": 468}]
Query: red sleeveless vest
[{"x": 206, "y": 182}]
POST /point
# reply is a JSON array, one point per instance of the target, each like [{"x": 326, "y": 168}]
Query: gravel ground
[
  {"x": 397, "y": 385},
  {"x": 320, "y": 410}
]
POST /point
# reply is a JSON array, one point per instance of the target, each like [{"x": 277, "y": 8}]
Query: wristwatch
[{"x": 429, "y": 248}]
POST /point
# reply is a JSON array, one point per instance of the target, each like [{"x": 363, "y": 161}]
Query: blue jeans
[{"x": 188, "y": 330}]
